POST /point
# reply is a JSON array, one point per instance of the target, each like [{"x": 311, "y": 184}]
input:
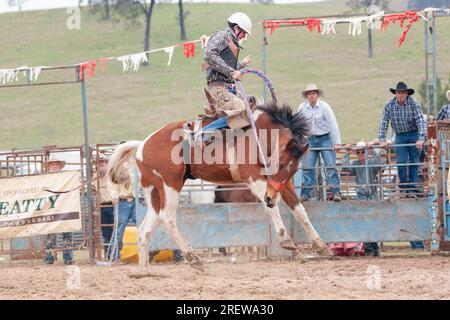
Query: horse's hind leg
[
  {"x": 258, "y": 188},
  {"x": 168, "y": 215},
  {"x": 148, "y": 225}
]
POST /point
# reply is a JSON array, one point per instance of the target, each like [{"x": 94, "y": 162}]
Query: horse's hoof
[
  {"x": 325, "y": 252},
  {"x": 197, "y": 264},
  {"x": 288, "y": 245}
]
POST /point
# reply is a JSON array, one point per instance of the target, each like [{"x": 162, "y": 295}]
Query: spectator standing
[
  {"x": 54, "y": 164},
  {"x": 324, "y": 135}
]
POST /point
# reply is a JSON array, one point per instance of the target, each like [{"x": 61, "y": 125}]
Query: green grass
[{"x": 124, "y": 106}]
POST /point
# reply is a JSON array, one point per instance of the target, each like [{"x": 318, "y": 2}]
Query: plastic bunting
[
  {"x": 189, "y": 49},
  {"x": 271, "y": 25},
  {"x": 204, "y": 40},
  {"x": 169, "y": 50},
  {"x": 402, "y": 17},
  {"x": 313, "y": 23},
  {"x": 8, "y": 75},
  {"x": 12, "y": 75},
  {"x": 133, "y": 61},
  {"x": 87, "y": 69},
  {"x": 327, "y": 26}
]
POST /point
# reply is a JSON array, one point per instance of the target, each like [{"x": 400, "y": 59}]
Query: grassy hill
[{"x": 131, "y": 105}]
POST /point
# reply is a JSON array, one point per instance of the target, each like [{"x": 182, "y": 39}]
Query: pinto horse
[{"x": 162, "y": 178}]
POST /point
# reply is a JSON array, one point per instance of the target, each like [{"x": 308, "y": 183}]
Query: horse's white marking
[
  {"x": 156, "y": 173},
  {"x": 256, "y": 114},
  {"x": 168, "y": 216},
  {"x": 147, "y": 228},
  {"x": 301, "y": 216},
  {"x": 289, "y": 166},
  {"x": 259, "y": 188},
  {"x": 141, "y": 146}
]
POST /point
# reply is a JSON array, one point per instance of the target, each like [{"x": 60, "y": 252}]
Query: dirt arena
[{"x": 408, "y": 276}]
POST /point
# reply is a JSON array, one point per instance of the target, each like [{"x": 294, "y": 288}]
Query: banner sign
[{"x": 27, "y": 210}]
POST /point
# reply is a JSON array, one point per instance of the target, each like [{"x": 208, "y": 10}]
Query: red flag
[
  {"x": 271, "y": 25},
  {"x": 402, "y": 17},
  {"x": 312, "y": 23},
  {"x": 189, "y": 49},
  {"x": 87, "y": 68}
]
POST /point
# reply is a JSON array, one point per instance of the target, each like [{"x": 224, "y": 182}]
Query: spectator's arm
[
  {"x": 384, "y": 124},
  {"x": 332, "y": 122},
  {"x": 421, "y": 125}
]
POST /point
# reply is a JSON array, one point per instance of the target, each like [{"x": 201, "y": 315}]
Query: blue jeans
[
  {"x": 107, "y": 217},
  {"x": 218, "y": 124},
  {"x": 310, "y": 160},
  {"x": 50, "y": 244},
  {"x": 127, "y": 211},
  {"x": 409, "y": 154}
]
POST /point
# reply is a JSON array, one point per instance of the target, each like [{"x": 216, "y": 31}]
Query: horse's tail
[{"x": 120, "y": 163}]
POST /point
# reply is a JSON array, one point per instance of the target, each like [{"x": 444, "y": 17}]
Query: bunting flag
[
  {"x": 378, "y": 20},
  {"x": 354, "y": 26},
  {"x": 401, "y": 17},
  {"x": 87, "y": 69},
  {"x": 204, "y": 40},
  {"x": 328, "y": 26},
  {"x": 8, "y": 76},
  {"x": 169, "y": 50},
  {"x": 323, "y": 26},
  {"x": 133, "y": 61},
  {"x": 312, "y": 24},
  {"x": 271, "y": 25},
  {"x": 189, "y": 49},
  {"x": 12, "y": 75}
]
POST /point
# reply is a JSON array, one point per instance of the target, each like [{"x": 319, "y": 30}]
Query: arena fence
[{"x": 390, "y": 216}]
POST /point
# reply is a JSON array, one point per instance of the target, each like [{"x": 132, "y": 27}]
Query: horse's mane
[{"x": 297, "y": 124}]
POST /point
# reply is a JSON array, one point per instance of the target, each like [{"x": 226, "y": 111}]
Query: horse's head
[{"x": 292, "y": 132}]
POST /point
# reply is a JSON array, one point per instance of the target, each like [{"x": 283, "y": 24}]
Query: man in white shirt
[{"x": 324, "y": 135}]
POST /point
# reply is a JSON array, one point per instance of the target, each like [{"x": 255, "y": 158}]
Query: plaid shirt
[
  {"x": 444, "y": 114},
  {"x": 403, "y": 119}
]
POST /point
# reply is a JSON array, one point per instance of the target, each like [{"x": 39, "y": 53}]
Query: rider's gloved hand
[{"x": 237, "y": 75}]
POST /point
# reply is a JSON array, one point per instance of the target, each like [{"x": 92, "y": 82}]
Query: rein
[
  {"x": 276, "y": 185},
  {"x": 70, "y": 190}
]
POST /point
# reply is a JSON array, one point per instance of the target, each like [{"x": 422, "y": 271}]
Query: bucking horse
[{"x": 167, "y": 158}]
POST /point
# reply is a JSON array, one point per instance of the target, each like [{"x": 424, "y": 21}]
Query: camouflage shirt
[{"x": 218, "y": 69}]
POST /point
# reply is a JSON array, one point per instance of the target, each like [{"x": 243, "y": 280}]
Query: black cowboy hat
[{"x": 401, "y": 86}]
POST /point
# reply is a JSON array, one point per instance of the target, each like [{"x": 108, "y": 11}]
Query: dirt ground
[{"x": 403, "y": 275}]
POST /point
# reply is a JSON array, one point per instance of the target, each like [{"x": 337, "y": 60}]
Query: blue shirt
[
  {"x": 406, "y": 118},
  {"x": 321, "y": 120}
]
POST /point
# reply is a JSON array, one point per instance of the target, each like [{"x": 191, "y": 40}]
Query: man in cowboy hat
[
  {"x": 324, "y": 135},
  {"x": 55, "y": 164},
  {"x": 222, "y": 70},
  {"x": 407, "y": 121},
  {"x": 444, "y": 114}
]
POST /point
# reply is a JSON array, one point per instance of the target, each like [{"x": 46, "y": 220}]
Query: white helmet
[{"x": 242, "y": 20}]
